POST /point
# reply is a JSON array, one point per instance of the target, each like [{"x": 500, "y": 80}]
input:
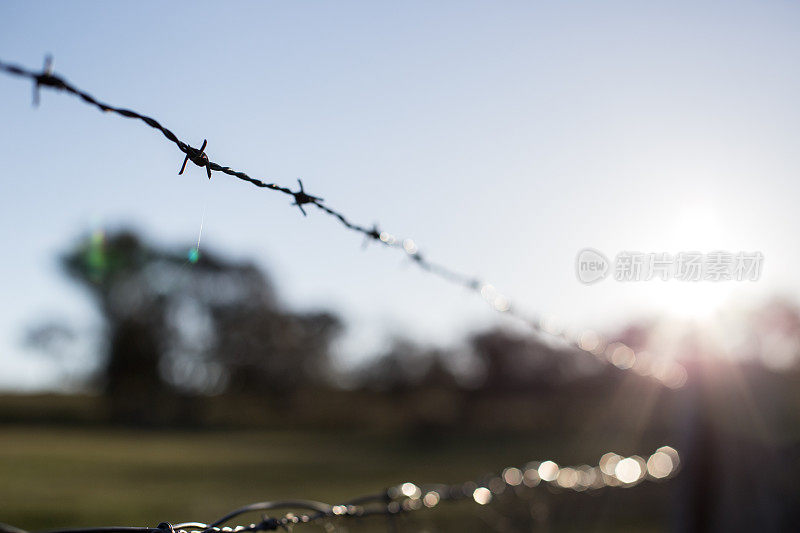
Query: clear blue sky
[{"x": 502, "y": 137}]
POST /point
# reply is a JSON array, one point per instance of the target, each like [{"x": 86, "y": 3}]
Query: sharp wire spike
[
  {"x": 301, "y": 198},
  {"x": 374, "y": 234},
  {"x": 198, "y": 157},
  {"x": 47, "y": 72}
]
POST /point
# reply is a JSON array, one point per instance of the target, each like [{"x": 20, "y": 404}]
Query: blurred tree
[
  {"x": 59, "y": 342},
  {"x": 273, "y": 352},
  {"x": 406, "y": 367},
  {"x": 399, "y": 368},
  {"x": 178, "y": 326},
  {"x": 516, "y": 362},
  {"x": 493, "y": 361}
]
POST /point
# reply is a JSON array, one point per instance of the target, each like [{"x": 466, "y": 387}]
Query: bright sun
[
  {"x": 694, "y": 299},
  {"x": 697, "y": 228}
]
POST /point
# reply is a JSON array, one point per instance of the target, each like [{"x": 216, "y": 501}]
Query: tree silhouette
[{"x": 179, "y": 326}]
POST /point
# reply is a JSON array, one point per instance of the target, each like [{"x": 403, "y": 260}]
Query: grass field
[{"x": 89, "y": 477}]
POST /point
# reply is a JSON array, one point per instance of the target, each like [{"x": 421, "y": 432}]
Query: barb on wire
[
  {"x": 301, "y": 198},
  {"x": 198, "y": 157},
  {"x": 666, "y": 371},
  {"x": 612, "y": 470},
  {"x": 45, "y": 78}
]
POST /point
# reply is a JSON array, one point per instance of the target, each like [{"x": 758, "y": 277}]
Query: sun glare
[
  {"x": 697, "y": 228},
  {"x": 693, "y": 300}
]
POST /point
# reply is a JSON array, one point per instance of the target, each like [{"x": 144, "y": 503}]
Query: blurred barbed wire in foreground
[
  {"x": 612, "y": 470},
  {"x": 666, "y": 371}
]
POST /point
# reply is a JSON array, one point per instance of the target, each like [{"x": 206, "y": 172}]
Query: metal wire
[
  {"x": 665, "y": 371},
  {"x": 612, "y": 470}
]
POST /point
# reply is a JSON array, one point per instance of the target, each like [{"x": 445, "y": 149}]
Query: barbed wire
[
  {"x": 665, "y": 371},
  {"x": 612, "y": 470}
]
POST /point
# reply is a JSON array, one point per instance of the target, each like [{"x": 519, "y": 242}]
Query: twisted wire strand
[
  {"x": 319, "y": 507},
  {"x": 109, "y": 529},
  {"x": 664, "y": 371},
  {"x": 407, "y": 497}
]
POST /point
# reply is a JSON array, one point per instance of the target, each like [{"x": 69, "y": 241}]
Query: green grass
[{"x": 90, "y": 476}]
